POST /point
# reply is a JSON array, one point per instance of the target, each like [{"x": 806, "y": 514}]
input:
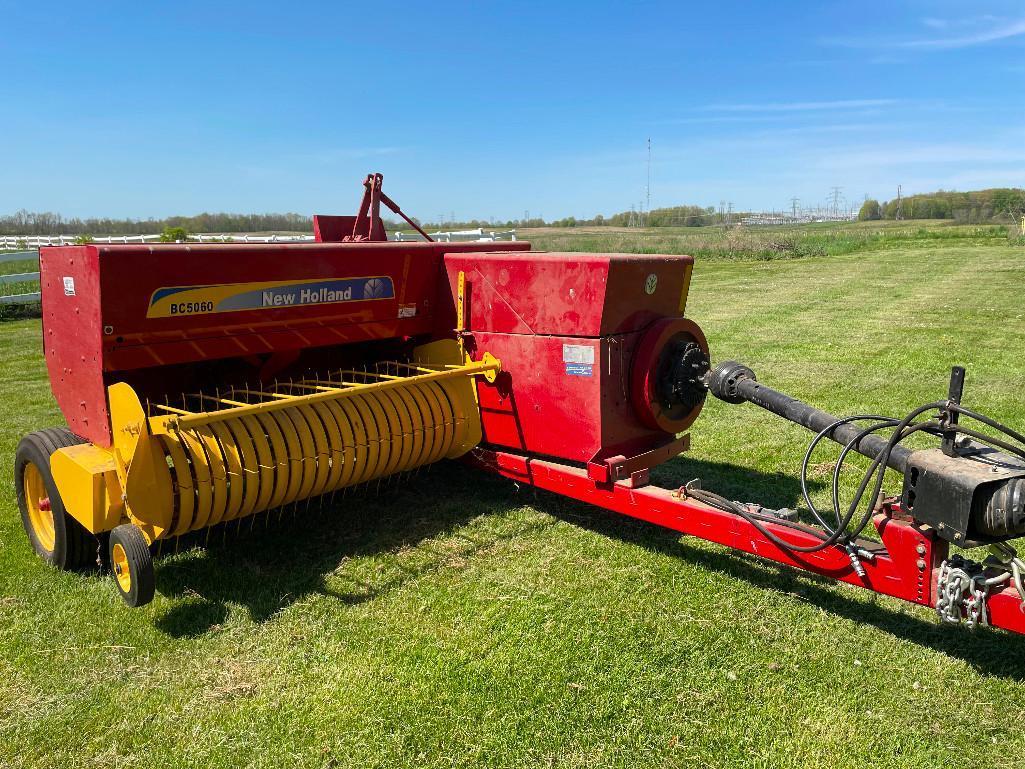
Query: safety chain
[
  {"x": 957, "y": 577},
  {"x": 962, "y": 587}
]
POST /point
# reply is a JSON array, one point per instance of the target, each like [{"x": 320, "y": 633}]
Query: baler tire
[
  {"x": 73, "y": 548},
  {"x": 132, "y": 564}
]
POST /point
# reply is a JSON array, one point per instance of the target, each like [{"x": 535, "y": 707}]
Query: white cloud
[
  {"x": 799, "y": 106},
  {"x": 984, "y": 29},
  {"x": 1002, "y": 31}
]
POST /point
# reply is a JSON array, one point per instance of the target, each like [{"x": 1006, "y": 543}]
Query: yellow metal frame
[
  {"x": 40, "y": 515},
  {"x": 122, "y": 569}
]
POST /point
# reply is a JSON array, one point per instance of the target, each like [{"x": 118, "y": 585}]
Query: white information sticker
[
  {"x": 407, "y": 310},
  {"x": 577, "y": 353},
  {"x": 69, "y": 286}
]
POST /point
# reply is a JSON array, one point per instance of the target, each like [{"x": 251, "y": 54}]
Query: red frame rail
[{"x": 905, "y": 566}]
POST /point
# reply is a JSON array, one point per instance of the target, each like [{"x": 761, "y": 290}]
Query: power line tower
[
  {"x": 900, "y": 205},
  {"x": 647, "y": 203},
  {"x": 835, "y": 192},
  {"x": 793, "y": 207}
]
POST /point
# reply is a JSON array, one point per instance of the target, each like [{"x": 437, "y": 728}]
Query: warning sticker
[
  {"x": 579, "y": 369},
  {"x": 407, "y": 310},
  {"x": 578, "y": 353},
  {"x": 69, "y": 286}
]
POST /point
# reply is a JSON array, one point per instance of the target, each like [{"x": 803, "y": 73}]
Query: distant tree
[
  {"x": 599, "y": 220},
  {"x": 174, "y": 235},
  {"x": 870, "y": 211},
  {"x": 83, "y": 239}
]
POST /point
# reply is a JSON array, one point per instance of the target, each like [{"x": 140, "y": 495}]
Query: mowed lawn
[{"x": 457, "y": 620}]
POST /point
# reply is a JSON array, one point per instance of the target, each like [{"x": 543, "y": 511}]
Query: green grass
[
  {"x": 458, "y": 620},
  {"x": 766, "y": 242}
]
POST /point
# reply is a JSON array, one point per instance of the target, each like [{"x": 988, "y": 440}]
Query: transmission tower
[
  {"x": 900, "y": 205},
  {"x": 835, "y": 192},
  {"x": 793, "y": 206},
  {"x": 647, "y": 203}
]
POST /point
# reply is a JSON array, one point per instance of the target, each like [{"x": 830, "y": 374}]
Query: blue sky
[{"x": 490, "y": 109}]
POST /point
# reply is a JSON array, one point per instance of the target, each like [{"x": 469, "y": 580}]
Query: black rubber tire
[
  {"x": 140, "y": 564},
  {"x": 74, "y": 547}
]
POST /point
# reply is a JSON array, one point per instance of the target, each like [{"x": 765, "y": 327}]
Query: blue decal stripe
[{"x": 161, "y": 293}]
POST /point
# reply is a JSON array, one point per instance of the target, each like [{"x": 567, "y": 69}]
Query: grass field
[{"x": 457, "y": 620}]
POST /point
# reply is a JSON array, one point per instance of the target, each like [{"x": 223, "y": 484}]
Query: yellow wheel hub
[
  {"x": 37, "y": 502},
  {"x": 121, "y": 570}
]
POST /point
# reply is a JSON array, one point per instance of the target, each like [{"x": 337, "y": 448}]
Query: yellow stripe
[{"x": 687, "y": 270}]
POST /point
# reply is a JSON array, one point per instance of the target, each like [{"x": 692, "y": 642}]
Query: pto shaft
[{"x": 735, "y": 383}]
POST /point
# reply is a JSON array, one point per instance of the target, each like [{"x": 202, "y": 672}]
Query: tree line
[
  {"x": 30, "y": 223},
  {"x": 997, "y": 204}
]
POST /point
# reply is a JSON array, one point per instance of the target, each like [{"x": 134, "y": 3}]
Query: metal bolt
[
  {"x": 921, "y": 564},
  {"x": 920, "y": 549}
]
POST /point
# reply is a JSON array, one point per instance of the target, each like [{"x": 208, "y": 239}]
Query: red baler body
[{"x": 99, "y": 304}]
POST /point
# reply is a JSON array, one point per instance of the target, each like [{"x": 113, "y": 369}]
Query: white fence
[
  {"x": 19, "y": 277},
  {"x": 479, "y": 235},
  {"x": 15, "y": 241}
]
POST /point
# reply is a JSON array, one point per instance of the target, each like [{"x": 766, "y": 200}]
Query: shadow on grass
[
  {"x": 275, "y": 565},
  {"x": 991, "y": 652},
  {"x": 268, "y": 563}
]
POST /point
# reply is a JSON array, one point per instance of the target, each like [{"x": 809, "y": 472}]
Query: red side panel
[
  {"x": 73, "y": 338},
  {"x": 543, "y": 405}
]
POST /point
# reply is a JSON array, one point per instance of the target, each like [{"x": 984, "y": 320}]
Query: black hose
[{"x": 811, "y": 450}]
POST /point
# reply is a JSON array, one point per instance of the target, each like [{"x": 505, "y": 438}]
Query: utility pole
[
  {"x": 647, "y": 206},
  {"x": 900, "y": 205}
]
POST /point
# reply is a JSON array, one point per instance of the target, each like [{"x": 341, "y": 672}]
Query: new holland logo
[
  {"x": 236, "y": 297},
  {"x": 376, "y": 288}
]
